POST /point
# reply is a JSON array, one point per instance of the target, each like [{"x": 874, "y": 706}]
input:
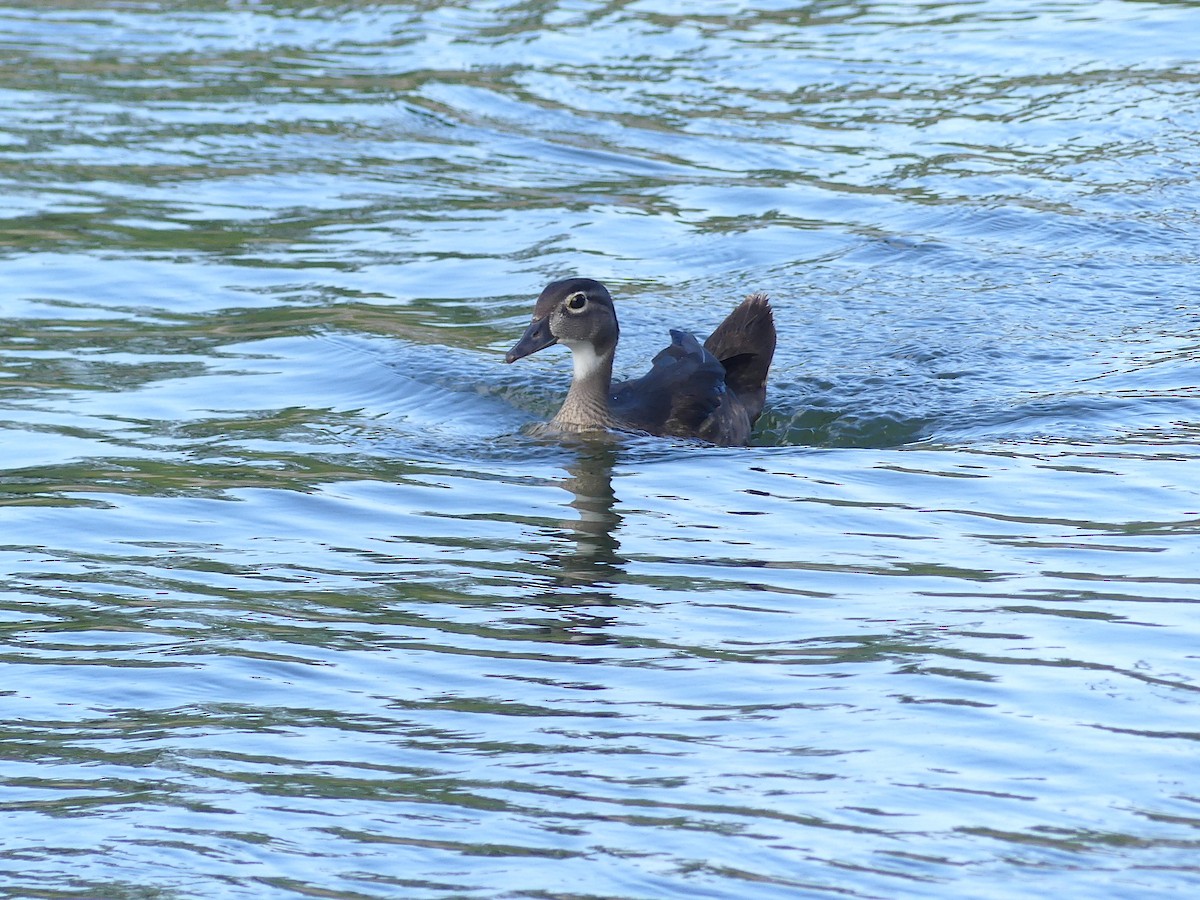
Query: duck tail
[{"x": 745, "y": 345}]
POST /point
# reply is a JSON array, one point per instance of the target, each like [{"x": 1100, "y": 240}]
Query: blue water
[{"x": 294, "y": 605}]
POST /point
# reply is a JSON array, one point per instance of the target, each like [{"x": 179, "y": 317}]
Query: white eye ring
[{"x": 576, "y": 302}]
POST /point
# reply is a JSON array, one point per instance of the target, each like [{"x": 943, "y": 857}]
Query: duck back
[
  {"x": 714, "y": 392},
  {"x": 683, "y": 388}
]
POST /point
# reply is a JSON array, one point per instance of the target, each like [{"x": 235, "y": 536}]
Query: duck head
[{"x": 576, "y": 312}]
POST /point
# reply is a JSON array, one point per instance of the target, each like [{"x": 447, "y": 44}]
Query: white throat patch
[{"x": 585, "y": 359}]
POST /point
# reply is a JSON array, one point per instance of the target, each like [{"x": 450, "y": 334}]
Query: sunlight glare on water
[{"x": 296, "y": 605}]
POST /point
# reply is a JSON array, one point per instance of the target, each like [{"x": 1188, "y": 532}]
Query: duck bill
[{"x": 536, "y": 337}]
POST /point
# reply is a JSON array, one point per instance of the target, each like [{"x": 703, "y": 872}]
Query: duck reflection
[
  {"x": 594, "y": 560},
  {"x": 589, "y": 565}
]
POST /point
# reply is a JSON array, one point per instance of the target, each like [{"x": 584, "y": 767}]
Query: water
[{"x": 294, "y": 607}]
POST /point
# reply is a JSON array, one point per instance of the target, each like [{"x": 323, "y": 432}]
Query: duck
[{"x": 713, "y": 392}]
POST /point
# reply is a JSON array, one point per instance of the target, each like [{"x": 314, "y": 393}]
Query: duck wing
[
  {"x": 684, "y": 387},
  {"x": 745, "y": 345}
]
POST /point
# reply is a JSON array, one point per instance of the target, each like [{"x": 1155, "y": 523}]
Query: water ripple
[{"x": 292, "y": 604}]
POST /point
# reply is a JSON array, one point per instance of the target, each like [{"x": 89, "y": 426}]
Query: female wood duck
[{"x": 713, "y": 392}]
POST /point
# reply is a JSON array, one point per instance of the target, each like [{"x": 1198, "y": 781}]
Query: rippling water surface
[{"x": 295, "y": 607}]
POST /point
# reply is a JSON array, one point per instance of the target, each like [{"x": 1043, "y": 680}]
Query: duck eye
[{"x": 576, "y": 302}]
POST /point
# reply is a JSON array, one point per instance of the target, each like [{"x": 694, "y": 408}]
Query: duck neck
[{"x": 586, "y": 405}]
